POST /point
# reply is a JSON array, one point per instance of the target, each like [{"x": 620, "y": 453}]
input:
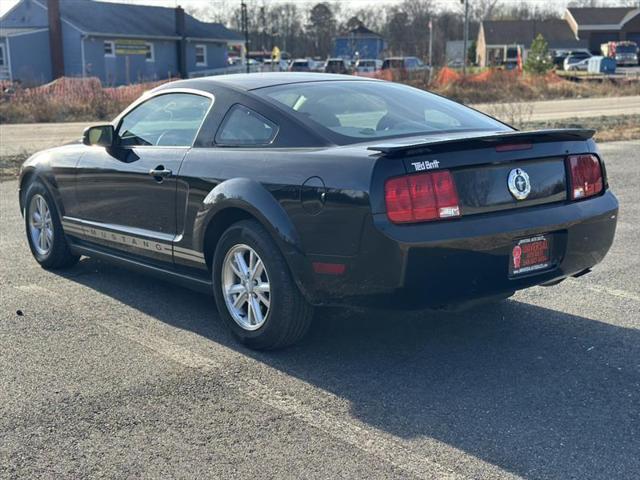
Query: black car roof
[{"x": 253, "y": 81}]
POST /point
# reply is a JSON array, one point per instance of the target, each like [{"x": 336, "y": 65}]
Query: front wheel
[
  {"x": 46, "y": 238},
  {"x": 254, "y": 291}
]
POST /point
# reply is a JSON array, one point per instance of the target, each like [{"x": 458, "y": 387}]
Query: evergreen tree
[{"x": 539, "y": 60}]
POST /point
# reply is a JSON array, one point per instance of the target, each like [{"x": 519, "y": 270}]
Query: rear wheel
[
  {"x": 46, "y": 238},
  {"x": 255, "y": 294}
]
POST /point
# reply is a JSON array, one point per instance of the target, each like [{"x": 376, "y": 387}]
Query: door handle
[{"x": 160, "y": 172}]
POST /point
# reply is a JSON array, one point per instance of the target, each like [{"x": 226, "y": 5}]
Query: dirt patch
[{"x": 10, "y": 165}]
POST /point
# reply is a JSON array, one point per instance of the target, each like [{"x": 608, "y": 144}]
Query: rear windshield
[
  {"x": 366, "y": 63},
  {"x": 360, "y": 110}
]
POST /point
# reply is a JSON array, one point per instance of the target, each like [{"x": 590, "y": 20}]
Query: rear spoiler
[{"x": 483, "y": 139}]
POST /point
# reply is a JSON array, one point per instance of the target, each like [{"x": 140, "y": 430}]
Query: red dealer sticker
[{"x": 529, "y": 255}]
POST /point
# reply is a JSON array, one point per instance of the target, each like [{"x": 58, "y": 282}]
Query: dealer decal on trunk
[{"x": 426, "y": 165}]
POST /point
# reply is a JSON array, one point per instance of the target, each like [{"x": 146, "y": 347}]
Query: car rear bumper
[{"x": 442, "y": 263}]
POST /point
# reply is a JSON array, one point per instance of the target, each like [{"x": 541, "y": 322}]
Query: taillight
[
  {"x": 585, "y": 176},
  {"x": 421, "y": 197}
]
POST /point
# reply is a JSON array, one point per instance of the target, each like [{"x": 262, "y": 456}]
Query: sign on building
[{"x": 131, "y": 47}]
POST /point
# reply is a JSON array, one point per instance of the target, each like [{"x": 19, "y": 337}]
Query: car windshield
[{"x": 359, "y": 110}]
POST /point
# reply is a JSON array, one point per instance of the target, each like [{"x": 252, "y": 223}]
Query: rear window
[
  {"x": 393, "y": 63},
  {"x": 360, "y": 110}
]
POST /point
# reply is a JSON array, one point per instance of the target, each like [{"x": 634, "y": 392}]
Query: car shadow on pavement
[{"x": 537, "y": 392}]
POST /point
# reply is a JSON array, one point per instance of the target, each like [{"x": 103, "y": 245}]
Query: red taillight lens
[
  {"x": 421, "y": 197},
  {"x": 585, "y": 176}
]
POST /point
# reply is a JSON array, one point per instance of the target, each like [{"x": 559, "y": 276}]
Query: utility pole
[
  {"x": 244, "y": 20},
  {"x": 430, "y": 42},
  {"x": 465, "y": 36},
  {"x": 263, "y": 26},
  {"x": 430, "y": 48}
]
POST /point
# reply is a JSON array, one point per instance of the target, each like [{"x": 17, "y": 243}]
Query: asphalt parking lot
[{"x": 107, "y": 373}]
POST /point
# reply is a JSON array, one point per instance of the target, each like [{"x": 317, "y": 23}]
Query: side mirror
[{"x": 101, "y": 135}]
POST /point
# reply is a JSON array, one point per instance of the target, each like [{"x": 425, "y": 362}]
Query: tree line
[{"x": 309, "y": 30}]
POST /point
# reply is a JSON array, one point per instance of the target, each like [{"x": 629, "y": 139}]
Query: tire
[
  {"x": 286, "y": 318},
  {"x": 54, "y": 253}
]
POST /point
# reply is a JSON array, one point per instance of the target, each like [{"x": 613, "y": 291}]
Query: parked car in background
[
  {"x": 317, "y": 64},
  {"x": 559, "y": 55},
  {"x": 367, "y": 65},
  {"x": 403, "y": 63},
  {"x": 302, "y": 65},
  {"x": 581, "y": 66},
  {"x": 272, "y": 66},
  {"x": 337, "y": 65},
  {"x": 404, "y": 68},
  {"x": 624, "y": 53},
  {"x": 576, "y": 58}
]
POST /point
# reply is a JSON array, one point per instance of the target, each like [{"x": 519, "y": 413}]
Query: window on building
[
  {"x": 2, "y": 60},
  {"x": 109, "y": 48},
  {"x": 201, "y": 55},
  {"x": 168, "y": 120},
  {"x": 242, "y": 126},
  {"x": 150, "y": 56}
]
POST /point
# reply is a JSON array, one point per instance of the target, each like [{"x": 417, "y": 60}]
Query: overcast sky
[{"x": 7, "y": 4}]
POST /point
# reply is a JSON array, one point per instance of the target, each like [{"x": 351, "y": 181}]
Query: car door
[{"x": 129, "y": 193}]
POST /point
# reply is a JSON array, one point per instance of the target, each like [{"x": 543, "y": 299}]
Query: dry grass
[
  {"x": 77, "y": 99},
  {"x": 507, "y": 87},
  {"x": 608, "y": 129},
  {"x": 66, "y": 100}
]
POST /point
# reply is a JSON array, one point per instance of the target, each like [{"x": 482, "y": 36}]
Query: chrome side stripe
[
  {"x": 75, "y": 228},
  {"x": 188, "y": 252}
]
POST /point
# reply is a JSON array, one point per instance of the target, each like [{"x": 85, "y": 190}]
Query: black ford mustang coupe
[{"x": 279, "y": 192}]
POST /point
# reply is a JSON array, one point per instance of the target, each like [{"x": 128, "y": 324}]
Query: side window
[
  {"x": 170, "y": 120},
  {"x": 201, "y": 55},
  {"x": 242, "y": 126},
  {"x": 109, "y": 48}
]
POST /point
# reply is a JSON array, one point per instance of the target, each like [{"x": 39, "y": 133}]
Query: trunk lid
[{"x": 481, "y": 164}]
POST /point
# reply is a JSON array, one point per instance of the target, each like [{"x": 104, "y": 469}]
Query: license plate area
[{"x": 531, "y": 255}]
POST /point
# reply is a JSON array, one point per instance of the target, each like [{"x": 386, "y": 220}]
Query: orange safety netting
[{"x": 446, "y": 76}]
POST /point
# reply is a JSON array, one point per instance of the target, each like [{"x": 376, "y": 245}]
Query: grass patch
[{"x": 608, "y": 129}]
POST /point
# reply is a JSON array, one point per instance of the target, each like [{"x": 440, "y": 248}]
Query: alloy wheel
[
  {"x": 40, "y": 225},
  {"x": 246, "y": 287}
]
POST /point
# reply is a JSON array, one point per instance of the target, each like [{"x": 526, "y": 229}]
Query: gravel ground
[{"x": 107, "y": 373}]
